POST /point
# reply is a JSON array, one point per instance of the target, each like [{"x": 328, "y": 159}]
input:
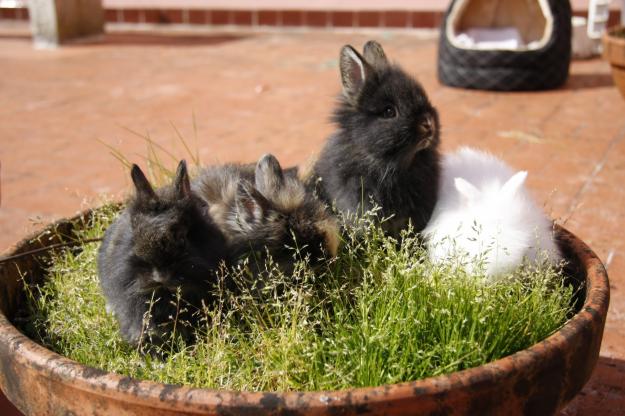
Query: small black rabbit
[
  {"x": 164, "y": 242},
  {"x": 386, "y": 146},
  {"x": 261, "y": 209}
]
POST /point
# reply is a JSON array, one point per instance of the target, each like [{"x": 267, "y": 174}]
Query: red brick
[
  {"x": 368, "y": 19},
  {"x": 342, "y": 19},
  {"x": 426, "y": 19},
  {"x": 130, "y": 16},
  {"x": 170, "y": 16},
  {"x": 241, "y": 17},
  {"x": 110, "y": 15},
  {"x": 316, "y": 18},
  {"x": 22, "y": 13},
  {"x": 396, "y": 19},
  {"x": 10, "y": 14},
  {"x": 292, "y": 18},
  {"x": 615, "y": 17},
  {"x": 219, "y": 17},
  {"x": 151, "y": 16},
  {"x": 198, "y": 17},
  {"x": 267, "y": 18}
]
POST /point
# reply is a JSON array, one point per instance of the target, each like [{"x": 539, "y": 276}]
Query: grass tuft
[{"x": 379, "y": 313}]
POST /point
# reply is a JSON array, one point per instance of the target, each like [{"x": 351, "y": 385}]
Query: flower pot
[
  {"x": 538, "y": 380},
  {"x": 614, "y": 52}
]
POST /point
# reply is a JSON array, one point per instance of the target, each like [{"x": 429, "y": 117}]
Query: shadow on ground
[
  {"x": 15, "y": 36},
  {"x": 143, "y": 39},
  {"x": 155, "y": 39},
  {"x": 7, "y": 408},
  {"x": 604, "y": 394},
  {"x": 586, "y": 81}
]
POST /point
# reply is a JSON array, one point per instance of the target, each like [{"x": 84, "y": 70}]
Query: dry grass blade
[
  {"x": 194, "y": 157},
  {"x": 117, "y": 154},
  {"x": 160, "y": 161}
]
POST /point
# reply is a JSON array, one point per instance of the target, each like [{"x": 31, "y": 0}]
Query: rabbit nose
[{"x": 426, "y": 127}]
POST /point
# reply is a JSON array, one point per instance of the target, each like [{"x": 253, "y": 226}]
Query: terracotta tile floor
[{"x": 252, "y": 94}]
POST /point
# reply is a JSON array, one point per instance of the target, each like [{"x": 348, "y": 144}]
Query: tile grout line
[{"x": 598, "y": 168}]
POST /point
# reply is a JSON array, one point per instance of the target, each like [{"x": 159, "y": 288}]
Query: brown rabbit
[{"x": 263, "y": 210}]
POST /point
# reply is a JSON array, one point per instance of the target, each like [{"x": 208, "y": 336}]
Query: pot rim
[{"x": 192, "y": 399}]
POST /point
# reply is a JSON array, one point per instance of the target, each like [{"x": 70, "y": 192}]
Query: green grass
[{"x": 379, "y": 313}]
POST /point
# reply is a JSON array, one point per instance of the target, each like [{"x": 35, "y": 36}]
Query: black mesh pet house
[{"x": 505, "y": 45}]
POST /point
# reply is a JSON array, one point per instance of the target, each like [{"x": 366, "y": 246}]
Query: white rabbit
[{"x": 485, "y": 215}]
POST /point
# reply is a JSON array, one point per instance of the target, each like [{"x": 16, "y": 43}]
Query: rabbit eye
[{"x": 389, "y": 112}]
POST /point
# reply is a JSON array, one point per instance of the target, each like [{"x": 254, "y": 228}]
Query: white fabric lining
[
  {"x": 496, "y": 38},
  {"x": 493, "y": 38}
]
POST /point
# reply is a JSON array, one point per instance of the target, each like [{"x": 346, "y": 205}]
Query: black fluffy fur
[
  {"x": 164, "y": 242},
  {"x": 375, "y": 155}
]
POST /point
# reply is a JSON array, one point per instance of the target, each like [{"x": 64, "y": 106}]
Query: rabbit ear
[
  {"x": 354, "y": 73},
  {"x": 512, "y": 185},
  {"x": 374, "y": 55},
  {"x": 466, "y": 189},
  {"x": 249, "y": 203},
  {"x": 268, "y": 176},
  {"x": 142, "y": 185},
  {"x": 181, "y": 182}
]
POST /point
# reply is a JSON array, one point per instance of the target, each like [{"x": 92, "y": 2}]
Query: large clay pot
[
  {"x": 536, "y": 381},
  {"x": 614, "y": 52}
]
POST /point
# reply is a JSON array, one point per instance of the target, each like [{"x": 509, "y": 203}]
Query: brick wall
[{"x": 277, "y": 18}]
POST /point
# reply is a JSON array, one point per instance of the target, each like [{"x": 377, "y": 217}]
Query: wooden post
[{"x": 56, "y": 21}]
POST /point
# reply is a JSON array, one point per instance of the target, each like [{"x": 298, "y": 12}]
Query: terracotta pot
[
  {"x": 538, "y": 380},
  {"x": 614, "y": 52}
]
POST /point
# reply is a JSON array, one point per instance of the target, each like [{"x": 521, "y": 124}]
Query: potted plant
[
  {"x": 538, "y": 380},
  {"x": 614, "y": 52}
]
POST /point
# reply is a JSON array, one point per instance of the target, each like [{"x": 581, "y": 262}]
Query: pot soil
[
  {"x": 538, "y": 380},
  {"x": 614, "y": 52}
]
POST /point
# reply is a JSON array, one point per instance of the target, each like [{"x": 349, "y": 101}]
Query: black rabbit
[
  {"x": 164, "y": 244},
  {"x": 261, "y": 210},
  {"x": 386, "y": 145}
]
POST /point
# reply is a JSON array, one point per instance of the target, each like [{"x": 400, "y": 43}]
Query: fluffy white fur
[{"x": 484, "y": 214}]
